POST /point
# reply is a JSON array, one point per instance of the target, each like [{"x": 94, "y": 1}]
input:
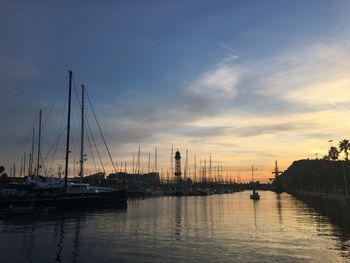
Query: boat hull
[
  {"x": 115, "y": 199},
  {"x": 255, "y": 197}
]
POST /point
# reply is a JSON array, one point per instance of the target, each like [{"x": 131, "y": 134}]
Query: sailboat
[
  {"x": 58, "y": 194},
  {"x": 255, "y": 195}
]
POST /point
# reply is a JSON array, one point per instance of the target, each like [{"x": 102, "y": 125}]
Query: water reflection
[
  {"x": 279, "y": 208},
  {"x": 255, "y": 203},
  {"x": 178, "y": 216},
  {"x": 28, "y": 244},
  {"x": 325, "y": 228},
  {"x": 217, "y": 228},
  {"x": 76, "y": 241},
  {"x": 60, "y": 241}
]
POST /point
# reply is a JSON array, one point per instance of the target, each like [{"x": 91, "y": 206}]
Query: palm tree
[
  {"x": 333, "y": 153},
  {"x": 344, "y": 146}
]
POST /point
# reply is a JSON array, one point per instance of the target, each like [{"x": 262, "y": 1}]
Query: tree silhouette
[
  {"x": 333, "y": 153},
  {"x": 326, "y": 157},
  {"x": 344, "y": 146}
]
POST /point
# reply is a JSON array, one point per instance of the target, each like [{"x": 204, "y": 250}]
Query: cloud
[
  {"x": 234, "y": 51},
  {"x": 219, "y": 83},
  {"x": 315, "y": 75},
  {"x": 307, "y": 129},
  {"x": 204, "y": 132},
  {"x": 233, "y": 55}
]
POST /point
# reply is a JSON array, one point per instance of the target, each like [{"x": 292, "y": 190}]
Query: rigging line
[
  {"x": 76, "y": 92},
  {"x": 61, "y": 128},
  {"x": 92, "y": 154},
  {"x": 89, "y": 127},
  {"x": 93, "y": 139},
  {"x": 55, "y": 146},
  {"x": 18, "y": 154},
  {"x": 21, "y": 146},
  {"x": 54, "y": 99},
  {"x": 74, "y": 139},
  {"x": 76, "y": 99},
  {"x": 93, "y": 112},
  {"x": 79, "y": 102},
  {"x": 75, "y": 128},
  {"x": 42, "y": 164},
  {"x": 56, "y": 141}
]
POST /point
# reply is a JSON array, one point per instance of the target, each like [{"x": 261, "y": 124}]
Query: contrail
[{"x": 229, "y": 48}]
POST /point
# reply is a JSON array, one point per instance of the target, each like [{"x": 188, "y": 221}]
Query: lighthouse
[{"x": 177, "y": 166}]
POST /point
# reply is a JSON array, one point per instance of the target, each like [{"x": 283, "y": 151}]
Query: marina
[
  {"x": 175, "y": 131},
  {"x": 216, "y": 228}
]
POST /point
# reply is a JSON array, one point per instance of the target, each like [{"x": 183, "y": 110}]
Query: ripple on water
[{"x": 221, "y": 228}]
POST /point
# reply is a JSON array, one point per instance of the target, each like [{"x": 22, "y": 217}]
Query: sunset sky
[{"x": 247, "y": 82}]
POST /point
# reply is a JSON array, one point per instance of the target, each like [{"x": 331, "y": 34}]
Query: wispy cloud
[
  {"x": 233, "y": 53},
  {"x": 315, "y": 75},
  {"x": 219, "y": 83}
]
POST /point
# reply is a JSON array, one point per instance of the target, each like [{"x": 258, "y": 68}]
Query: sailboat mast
[
  {"x": 68, "y": 130},
  {"x": 32, "y": 156},
  {"x": 155, "y": 161},
  {"x": 82, "y": 134},
  {"x": 39, "y": 142},
  {"x": 24, "y": 163},
  {"x": 195, "y": 169},
  {"x": 172, "y": 162}
]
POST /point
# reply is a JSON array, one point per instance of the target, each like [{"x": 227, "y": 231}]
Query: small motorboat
[{"x": 255, "y": 195}]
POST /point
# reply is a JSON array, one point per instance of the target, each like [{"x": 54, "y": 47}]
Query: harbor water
[{"x": 216, "y": 228}]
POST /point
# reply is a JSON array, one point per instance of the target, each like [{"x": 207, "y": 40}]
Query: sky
[{"x": 245, "y": 82}]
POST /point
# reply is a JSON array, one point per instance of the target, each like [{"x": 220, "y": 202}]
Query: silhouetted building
[{"x": 137, "y": 181}]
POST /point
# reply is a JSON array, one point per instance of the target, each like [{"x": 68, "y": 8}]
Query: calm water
[{"x": 220, "y": 228}]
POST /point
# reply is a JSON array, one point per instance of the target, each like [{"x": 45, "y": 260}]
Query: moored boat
[
  {"x": 255, "y": 195},
  {"x": 77, "y": 195},
  {"x": 60, "y": 194}
]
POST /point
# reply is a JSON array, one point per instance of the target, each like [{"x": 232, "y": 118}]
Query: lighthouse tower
[{"x": 177, "y": 166}]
